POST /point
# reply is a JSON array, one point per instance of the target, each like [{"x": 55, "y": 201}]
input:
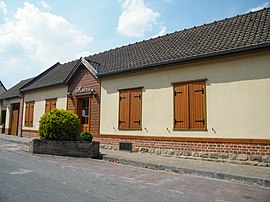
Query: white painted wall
[
  {"x": 40, "y": 96},
  {"x": 237, "y": 98}
]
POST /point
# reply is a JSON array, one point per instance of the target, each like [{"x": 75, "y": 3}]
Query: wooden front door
[
  {"x": 14, "y": 121},
  {"x": 83, "y": 111}
]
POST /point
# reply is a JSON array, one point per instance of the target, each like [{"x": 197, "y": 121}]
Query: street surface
[{"x": 30, "y": 178}]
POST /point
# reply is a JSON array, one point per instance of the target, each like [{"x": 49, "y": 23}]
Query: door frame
[
  {"x": 17, "y": 121},
  {"x": 77, "y": 102}
]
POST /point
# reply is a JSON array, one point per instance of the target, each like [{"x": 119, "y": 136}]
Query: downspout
[{"x": 21, "y": 114}]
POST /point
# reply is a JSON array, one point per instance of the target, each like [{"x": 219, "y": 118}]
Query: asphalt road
[{"x": 27, "y": 178}]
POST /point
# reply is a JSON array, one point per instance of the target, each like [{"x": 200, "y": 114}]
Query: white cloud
[
  {"x": 3, "y": 7},
  {"x": 44, "y": 5},
  {"x": 33, "y": 40},
  {"x": 136, "y": 19},
  {"x": 259, "y": 7},
  {"x": 162, "y": 31}
]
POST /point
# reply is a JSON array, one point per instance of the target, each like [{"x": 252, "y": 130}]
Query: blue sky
[{"x": 35, "y": 34}]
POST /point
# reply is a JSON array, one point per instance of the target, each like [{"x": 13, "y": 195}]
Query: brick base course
[
  {"x": 249, "y": 154},
  {"x": 30, "y": 133}
]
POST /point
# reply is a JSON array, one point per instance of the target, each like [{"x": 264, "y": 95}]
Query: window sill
[
  {"x": 203, "y": 129},
  {"x": 28, "y": 125},
  {"x": 132, "y": 129}
]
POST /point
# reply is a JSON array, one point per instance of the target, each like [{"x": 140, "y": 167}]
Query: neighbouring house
[
  {"x": 71, "y": 86},
  {"x": 11, "y": 106},
  {"x": 197, "y": 93},
  {"x": 2, "y": 111}
]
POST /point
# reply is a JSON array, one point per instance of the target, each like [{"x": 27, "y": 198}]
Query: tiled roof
[
  {"x": 248, "y": 31},
  {"x": 239, "y": 33},
  {"x": 55, "y": 75},
  {"x": 1, "y": 84},
  {"x": 14, "y": 91}
]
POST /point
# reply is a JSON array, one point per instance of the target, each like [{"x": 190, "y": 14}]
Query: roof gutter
[
  {"x": 195, "y": 57},
  {"x": 9, "y": 97}
]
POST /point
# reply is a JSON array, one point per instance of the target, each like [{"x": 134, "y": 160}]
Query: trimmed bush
[
  {"x": 59, "y": 125},
  {"x": 86, "y": 136}
]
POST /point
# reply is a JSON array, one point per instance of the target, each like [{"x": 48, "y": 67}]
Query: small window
[
  {"x": 189, "y": 106},
  {"x": 29, "y": 114},
  {"x": 50, "y": 104},
  {"x": 130, "y": 109}
]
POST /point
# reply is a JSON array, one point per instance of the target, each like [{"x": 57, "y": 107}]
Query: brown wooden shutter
[
  {"x": 135, "y": 108},
  {"x": 31, "y": 113},
  {"x": 197, "y": 105},
  {"x": 53, "y": 104},
  {"x": 26, "y": 121},
  {"x": 181, "y": 107},
  {"x": 48, "y": 106},
  {"x": 124, "y": 101}
]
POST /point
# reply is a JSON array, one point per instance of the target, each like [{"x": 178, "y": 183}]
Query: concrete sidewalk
[
  {"x": 15, "y": 139},
  {"x": 225, "y": 171}
]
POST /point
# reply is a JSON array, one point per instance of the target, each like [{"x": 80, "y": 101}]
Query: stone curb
[
  {"x": 262, "y": 182},
  {"x": 14, "y": 141}
]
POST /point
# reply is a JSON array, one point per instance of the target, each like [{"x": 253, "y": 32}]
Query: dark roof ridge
[
  {"x": 58, "y": 74},
  {"x": 40, "y": 75},
  {"x": 185, "y": 29},
  {"x": 74, "y": 68},
  {"x": 224, "y": 19},
  {"x": 69, "y": 61},
  {"x": 14, "y": 91},
  {"x": 1, "y": 84},
  {"x": 28, "y": 82}
]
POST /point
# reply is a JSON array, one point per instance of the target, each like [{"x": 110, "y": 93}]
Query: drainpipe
[{"x": 20, "y": 114}]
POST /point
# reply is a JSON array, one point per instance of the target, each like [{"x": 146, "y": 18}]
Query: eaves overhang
[
  {"x": 44, "y": 86},
  {"x": 9, "y": 97}
]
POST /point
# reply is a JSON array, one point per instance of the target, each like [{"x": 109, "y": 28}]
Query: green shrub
[
  {"x": 59, "y": 125},
  {"x": 86, "y": 136}
]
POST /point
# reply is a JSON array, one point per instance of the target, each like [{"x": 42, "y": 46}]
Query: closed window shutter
[
  {"x": 135, "y": 108},
  {"x": 181, "y": 107},
  {"x": 53, "y": 104},
  {"x": 31, "y": 113},
  {"x": 48, "y": 106},
  {"x": 197, "y": 105},
  {"x": 26, "y": 121},
  {"x": 124, "y": 100}
]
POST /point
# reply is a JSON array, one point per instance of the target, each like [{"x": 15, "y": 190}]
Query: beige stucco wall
[
  {"x": 237, "y": 98},
  {"x": 40, "y": 96},
  {"x": 9, "y": 111}
]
